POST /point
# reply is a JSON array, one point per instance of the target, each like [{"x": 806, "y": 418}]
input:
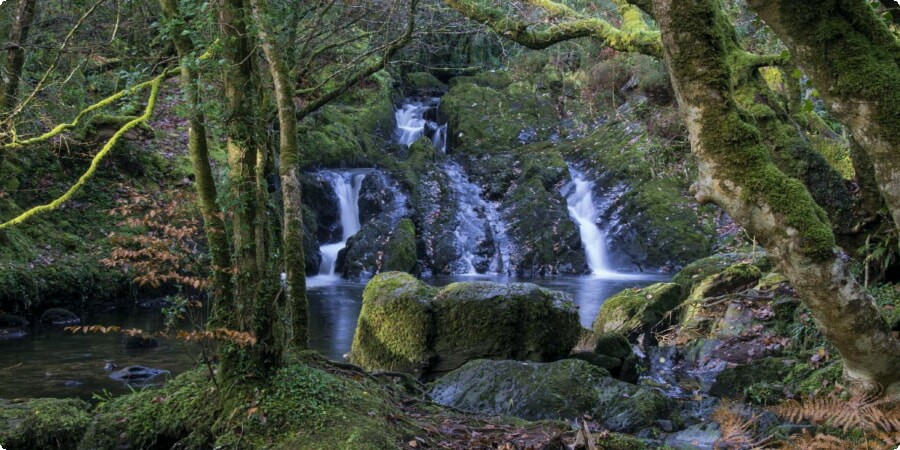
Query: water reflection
[{"x": 53, "y": 363}]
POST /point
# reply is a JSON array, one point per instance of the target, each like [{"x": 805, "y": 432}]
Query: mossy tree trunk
[
  {"x": 253, "y": 307},
  {"x": 853, "y": 59},
  {"x": 198, "y": 149},
  {"x": 292, "y": 233},
  {"x": 15, "y": 54},
  {"x": 737, "y": 173}
]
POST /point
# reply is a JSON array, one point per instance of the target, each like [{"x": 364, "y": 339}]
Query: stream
[{"x": 50, "y": 362}]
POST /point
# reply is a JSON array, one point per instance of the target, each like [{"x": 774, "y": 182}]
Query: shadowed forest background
[{"x": 449, "y": 224}]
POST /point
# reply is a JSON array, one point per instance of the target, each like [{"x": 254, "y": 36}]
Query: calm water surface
[{"x": 50, "y": 362}]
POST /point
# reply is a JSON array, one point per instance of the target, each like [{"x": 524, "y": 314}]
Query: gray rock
[
  {"x": 137, "y": 374},
  {"x": 560, "y": 390}
]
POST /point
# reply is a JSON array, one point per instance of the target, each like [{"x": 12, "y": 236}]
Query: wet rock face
[
  {"x": 563, "y": 389},
  {"x": 405, "y": 325},
  {"x": 319, "y": 196}
]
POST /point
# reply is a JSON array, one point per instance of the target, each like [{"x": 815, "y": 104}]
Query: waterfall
[
  {"x": 480, "y": 234},
  {"x": 412, "y": 124},
  {"x": 346, "y": 187},
  {"x": 580, "y": 201}
]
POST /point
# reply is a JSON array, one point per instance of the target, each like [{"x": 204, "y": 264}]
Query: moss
[
  {"x": 616, "y": 441},
  {"x": 696, "y": 272},
  {"x": 614, "y": 345},
  {"x": 509, "y": 321},
  {"x": 43, "y": 423},
  {"x": 637, "y": 310},
  {"x": 423, "y": 82},
  {"x": 400, "y": 251},
  {"x": 395, "y": 324},
  {"x": 806, "y": 380},
  {"x": 302, "y": 406},
  {"x": 737, "y": 381}
]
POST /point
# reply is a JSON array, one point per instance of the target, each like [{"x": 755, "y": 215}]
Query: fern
[{"x": 867, "y": 422}]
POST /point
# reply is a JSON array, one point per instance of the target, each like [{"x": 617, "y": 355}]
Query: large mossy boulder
[
  {"x": 519, "y": 321},
  {"x": 43, "y": 423},
  {"x": 755, "y": 377},
  {"x": 406, "y": 325},
  {"x": 637, "y": 311},
  {"x": 395, "y": 325},
  {"x": 563, "y": 389}
]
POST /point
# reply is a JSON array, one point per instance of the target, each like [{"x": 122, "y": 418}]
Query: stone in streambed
[
  {"x": 406, "y": 325},
  {"x": 563, "y": 389}
]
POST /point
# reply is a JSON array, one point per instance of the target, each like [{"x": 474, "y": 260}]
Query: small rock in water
[
  {"x": 72, "y": 383},
  {"x": 136, "y": 374},
  {"x": 139, "y": 342},
  {"x": 110, "y": 366},
  {"x": 60, "y": 317}
]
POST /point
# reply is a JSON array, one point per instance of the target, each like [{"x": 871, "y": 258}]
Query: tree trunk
[
  {"x": 251, "y": 310},
  {"x": 737, "y": 173},
  {"x": 292, "y": 240},
  {"x": 213, "y": 222},
  {"x": 15, "y": 54},
  {"x": 853, "y": 59}
]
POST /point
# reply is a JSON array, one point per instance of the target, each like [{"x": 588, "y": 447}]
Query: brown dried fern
[
  {"x": 860, "y": 411},
  {"x": 738, "y": 430}
]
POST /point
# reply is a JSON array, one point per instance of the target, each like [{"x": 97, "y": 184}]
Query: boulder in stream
[
  {"x": 563, "y": 389},
  {"x": 637, "y": 311},
  {"x": 406, "y": 325}
]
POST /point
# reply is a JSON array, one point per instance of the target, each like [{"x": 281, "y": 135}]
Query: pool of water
[{"x": 50, "y": 362}]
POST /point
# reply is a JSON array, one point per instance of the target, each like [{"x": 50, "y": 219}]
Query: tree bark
[
  {"x": 252, "y": 309},
  {"x": 198, "y": 149},
  {"x": 15, "y": 54},
  {"x": 737, "y": 173},
  {"x": 292, "y": 233},
  {"x": 853, "y": 59}
]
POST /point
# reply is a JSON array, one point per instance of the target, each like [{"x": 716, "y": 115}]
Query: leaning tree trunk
[
  {"x": 15, "y": 54},
  {"x": 292, "y": 239},
  {"x": 737, "y": 173},
  {"x": 853, "y": 59}
]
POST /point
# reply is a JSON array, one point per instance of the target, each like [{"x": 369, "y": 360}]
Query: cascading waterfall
[
  {"x": 481, "y": 233},
  {"x": 479, "y": 224},
  {"x": 580, "y": 201},
  {"x": 412, "y": 124},
  {"x": 346, "y": 187}
]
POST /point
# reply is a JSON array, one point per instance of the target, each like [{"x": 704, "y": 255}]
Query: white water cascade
[
  {"x": 580, "y": 201},
  {"x": 346, "y": 187},
  {"x": 481, "y": 239},
  {"x": 412, "y": 124}
]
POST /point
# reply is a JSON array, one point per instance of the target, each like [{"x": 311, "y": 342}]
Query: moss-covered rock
[
  {"x": 502, "y": 321},
  {"x": 697, "y": 271},
  {"x": 395, "y": 326},
  {"x": 638, "y": 310},
  {"x": 43, "y": 423},
  {"x": 405, "y": 325},
  {"x": 564, "y": 389},
  {"x": 400, "y": 251},
  {"x": 423, "y": 83},
  {"x": 736, "y": 382}
]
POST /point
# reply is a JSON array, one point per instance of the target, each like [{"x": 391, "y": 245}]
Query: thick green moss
[
  {"x": 43, "y": 423},
  {"x": 302, "y": 406},
  {"x": 502, "y": 321},
  {"x": 735, "y": 382},
  {"x": 697, "y": 271},
  {"x": 395, "y": 325},
  {"x": 613, "y": 344},
  {"x": 400, "y": 251},
  {"x": 637, "y": 310}
]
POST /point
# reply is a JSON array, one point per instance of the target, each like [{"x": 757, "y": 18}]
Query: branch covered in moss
[
  {"x": 634, "y": 36},
  {"x": 95, "y": 162}
]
